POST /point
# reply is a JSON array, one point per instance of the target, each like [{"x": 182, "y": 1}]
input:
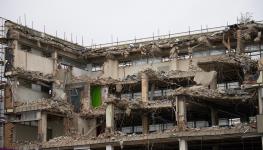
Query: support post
[
  {"x": 181, "y": 113},
  {"x": 213, "y": 84},
  {"x": 55, "y": 61},
  {"x": 42, "y": 127},
  {"x": 260, "y": 107},
  {"x": 145, "y": 124},
  {"x": 109, "y": 147},
  {"x": 144, "y": 87},
  {"x": 183, "y": 144},
  {"x": 110, "y": 118}
]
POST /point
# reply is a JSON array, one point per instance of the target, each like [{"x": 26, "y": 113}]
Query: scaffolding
[{"x": 2, "y": 78}]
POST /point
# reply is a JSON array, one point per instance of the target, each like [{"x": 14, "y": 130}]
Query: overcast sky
[{"x": 104, "y": 20}]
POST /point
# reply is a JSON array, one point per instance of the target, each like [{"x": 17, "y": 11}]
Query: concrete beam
[
  {"x": 145, "y": 87},
  {"x": 181, "y": 113},
  {"x": 82, "y": 148},
  {"x": 183, "y": 145},
  {"x": 42, "y": 127},
  {"x": 145, "y": 124},
  {"x": 110, "y": 118}
]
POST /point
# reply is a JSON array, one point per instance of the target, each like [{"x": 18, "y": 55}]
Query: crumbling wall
[
  {"x": 8, "y": 135},
  {"x": 8, "y": 97},
  {"x": 78, "y": 72}
]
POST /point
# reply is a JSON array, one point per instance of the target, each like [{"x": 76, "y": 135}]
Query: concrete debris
[
  {"x": 33, "y": 75},
  {"x": 50, "y": 105},
  {"x": 206, "y": 93},
  {"x": 18, "y": 32},
  {"x": 181, "y": 42},
  {"x": 172, "y": 74}
]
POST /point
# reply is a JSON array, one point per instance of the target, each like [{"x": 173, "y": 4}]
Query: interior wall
[{"x": 25, "y": 132}]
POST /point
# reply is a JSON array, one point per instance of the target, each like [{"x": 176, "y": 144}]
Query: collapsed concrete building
[{"x": 196, "y": 90}]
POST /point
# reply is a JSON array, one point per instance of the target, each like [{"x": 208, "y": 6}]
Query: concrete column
[
  {"x": 260, "y": 101},
  {"x": 109, "y": 147},
  {"x": 42, "y": 127},
  {"x": 110, "y": 118},
  {"x": 239, "y": 42},
  {"x": 55, "y": 61},
  {"x": 104, "y": 93},
  {"x": 214, "y": 117},
  {"x": 145, "y": 87},
  {"x": 213, "y": 84},
  {"x": 181, "y": 113},
  {"x": 85, "y": 101},
  {"x": 183, "y": 144},
  {"x": 145, "y": 124}
]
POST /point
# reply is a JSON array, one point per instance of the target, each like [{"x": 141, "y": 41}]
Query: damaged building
[{"x": 191, "y": 90}]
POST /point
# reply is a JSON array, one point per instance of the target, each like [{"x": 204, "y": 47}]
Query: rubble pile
[
  {"x": 46, "y": 104},
  {"x": 33, "y": 75},
  {"x": 17, "y": 31},
  {"x": 208, "y": 39},
  {"x": 235, "y": 59},
  {"x": 241, "y": 127},
  {"x": 93, "y": 112},
  {"x": 204, "y": 92},
  {"x": 172, "y": 74},
  {"x": 96, "y": 81}
]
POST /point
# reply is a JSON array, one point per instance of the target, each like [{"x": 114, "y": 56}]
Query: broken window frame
[
  {"x": 96, "y": 67},
  {"x": 125, "y": 64}
]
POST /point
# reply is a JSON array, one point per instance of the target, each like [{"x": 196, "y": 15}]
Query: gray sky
[{"x": 125, "y": 19}]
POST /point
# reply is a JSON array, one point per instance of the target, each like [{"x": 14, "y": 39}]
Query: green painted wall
[{"x": 95, "y": 96}]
